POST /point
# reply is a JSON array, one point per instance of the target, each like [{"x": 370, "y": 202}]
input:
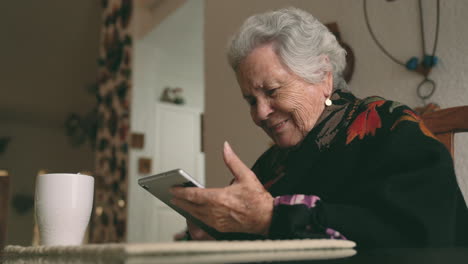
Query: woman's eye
[
  {"x": 271, "y": 92},
  {"x": 251, "y": 102}
]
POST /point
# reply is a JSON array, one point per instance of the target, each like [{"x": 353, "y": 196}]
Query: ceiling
[{"x": 48, "y": 54}]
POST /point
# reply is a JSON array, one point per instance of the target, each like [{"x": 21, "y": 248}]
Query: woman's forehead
[{"x": 261, "y": 67}]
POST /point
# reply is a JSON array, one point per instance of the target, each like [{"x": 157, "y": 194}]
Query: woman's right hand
[{"x": 197, "y": 233}]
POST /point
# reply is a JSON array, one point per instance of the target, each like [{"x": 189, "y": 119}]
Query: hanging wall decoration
[
  {"x": 108, "y": 223},
  {"x": 428, "y": 61}
]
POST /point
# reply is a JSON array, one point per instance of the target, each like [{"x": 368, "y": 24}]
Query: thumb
[{"x": 238, "y": 169}]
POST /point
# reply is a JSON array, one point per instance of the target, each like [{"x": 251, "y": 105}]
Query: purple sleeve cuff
[
  {"x": 308, "y": 200},
  {"x": 290, "y": 221}
]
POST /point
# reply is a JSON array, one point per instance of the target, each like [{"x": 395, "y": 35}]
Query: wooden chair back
[
  {"x": 446, "y": 122},
  {"x": 4, "y": 193}
]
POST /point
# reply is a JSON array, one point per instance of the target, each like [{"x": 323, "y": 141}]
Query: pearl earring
[{"x": 328, "y": 102}]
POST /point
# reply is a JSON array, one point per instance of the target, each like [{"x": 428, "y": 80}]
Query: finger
[
  {"x": 235, "y": 165},
  {"x": 196, "y": 195},
  {"x": 191, "y": 194},
  {"x": 197, "y": 233},
  {"x": 196, "y": 210}
]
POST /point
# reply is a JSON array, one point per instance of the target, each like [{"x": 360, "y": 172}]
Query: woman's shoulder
[
  {"x": 375, "y": 107},
  {"x": 376, "y": 116},
  {"x": 382, "y": 103}
]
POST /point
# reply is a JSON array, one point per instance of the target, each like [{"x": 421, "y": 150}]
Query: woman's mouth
[{"x": 278, "y": 127}]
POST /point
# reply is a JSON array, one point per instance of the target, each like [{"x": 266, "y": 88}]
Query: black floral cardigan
[{"x": 369, "y": 171}]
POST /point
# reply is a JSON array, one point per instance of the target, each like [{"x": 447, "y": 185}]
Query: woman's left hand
[{"x": 244, "y": 206}]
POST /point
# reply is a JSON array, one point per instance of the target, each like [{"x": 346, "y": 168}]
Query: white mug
[{"x": 63, "y": 204}]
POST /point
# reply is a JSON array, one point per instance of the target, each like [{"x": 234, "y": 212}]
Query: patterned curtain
[{"x": 108, "y": 223}]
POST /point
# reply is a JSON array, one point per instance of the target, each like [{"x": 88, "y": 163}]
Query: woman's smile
[{"x": 278, "y": 127}]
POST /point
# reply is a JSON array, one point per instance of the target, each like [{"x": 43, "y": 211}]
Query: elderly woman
[{"x": 367, "y": 170}]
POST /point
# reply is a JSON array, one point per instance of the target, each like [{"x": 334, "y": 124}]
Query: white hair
[{"x": 301, "y": 42}]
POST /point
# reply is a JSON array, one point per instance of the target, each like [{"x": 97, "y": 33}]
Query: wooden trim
[
  {"x": 454, "y": 119},
  {"x": 446, "y": 122}
]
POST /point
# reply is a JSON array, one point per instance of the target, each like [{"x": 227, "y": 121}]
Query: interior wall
[
  {"x": 48, "y": 57},
  {"x": 150, "y": 13},
  {"x": 396, "y": 24},
  {"x": 169, "y": 55}
]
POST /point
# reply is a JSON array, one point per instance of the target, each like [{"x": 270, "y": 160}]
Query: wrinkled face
[{"x": 284, "y": 105}]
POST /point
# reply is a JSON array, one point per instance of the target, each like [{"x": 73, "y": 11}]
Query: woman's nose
[{"x": 264, "y": 109}]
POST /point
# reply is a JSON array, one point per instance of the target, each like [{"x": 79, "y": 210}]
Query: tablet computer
[{"x": 159, "y": 185}]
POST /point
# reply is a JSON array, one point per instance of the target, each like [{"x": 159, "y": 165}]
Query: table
[{"x": 116, "y": 253}]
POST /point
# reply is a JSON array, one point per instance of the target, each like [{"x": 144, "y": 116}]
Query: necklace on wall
[{"x": 429, "y": 60}]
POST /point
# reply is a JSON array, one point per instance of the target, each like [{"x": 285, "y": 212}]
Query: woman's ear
[
  {"x": 327, "y": 84},
  {"x": 327, "y": 81}
]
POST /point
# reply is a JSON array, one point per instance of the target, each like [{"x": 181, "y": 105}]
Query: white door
[
  {"x": 176, "y": 141},
  {"x": 177, "y": 145}
]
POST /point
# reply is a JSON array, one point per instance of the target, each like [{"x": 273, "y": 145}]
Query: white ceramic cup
[{"x": 63, "y": 207}]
